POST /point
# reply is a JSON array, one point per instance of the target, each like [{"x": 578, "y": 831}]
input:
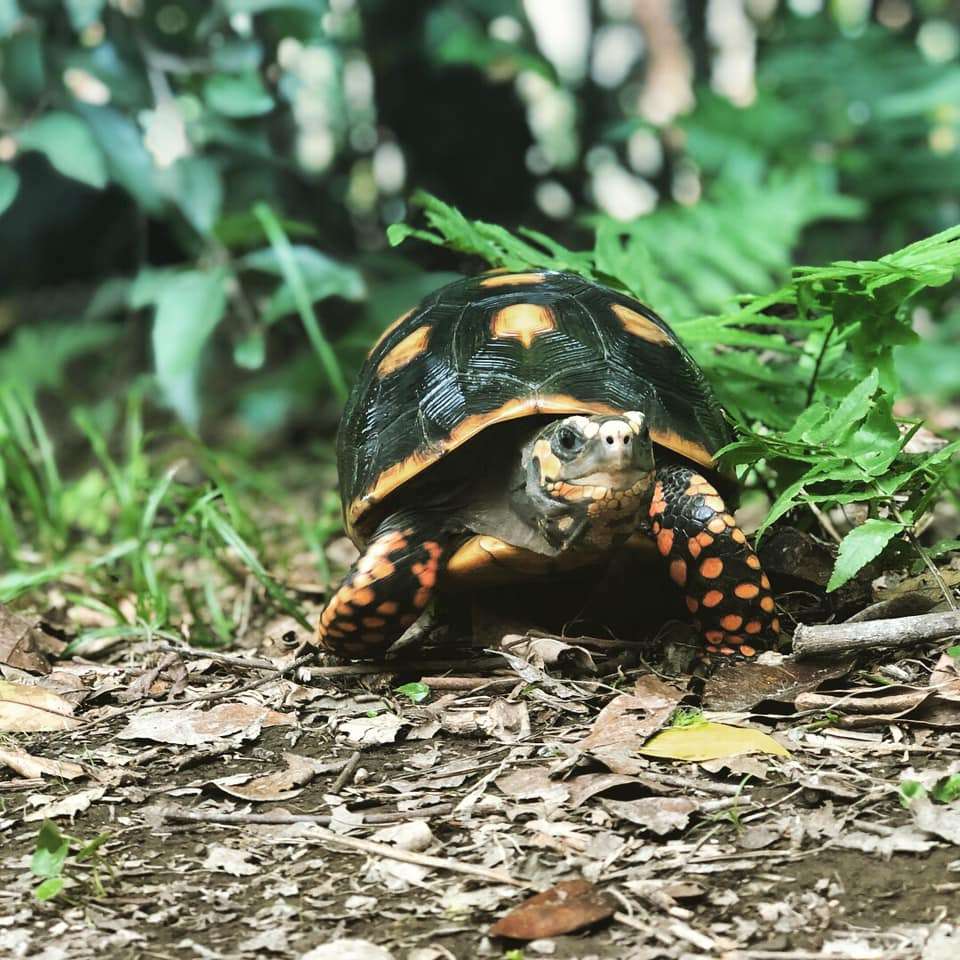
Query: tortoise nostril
[
  {"x": 626, "y": 440},
  {"x": 609, "y": 439}
]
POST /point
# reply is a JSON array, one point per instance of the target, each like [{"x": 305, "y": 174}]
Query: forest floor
[{"x": 214, "y": 805}]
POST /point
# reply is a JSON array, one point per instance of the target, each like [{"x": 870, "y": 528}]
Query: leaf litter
[{"x": 775, "y": 809}]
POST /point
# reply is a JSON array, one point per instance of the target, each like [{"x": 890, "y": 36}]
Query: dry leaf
[
  {"x": 940, "y": 819},
  {"x": 710, "y": 741},
  {"x": 21, "y": 644},
  {"x": 383, "y": 728},
  {"x": 742, "y": 685},
  {"x": 279, "y": 785},
  {"x": 229, "y": 860},
  {"x": 191, "y": 727},
  {"x": 348, "y": 949},
  {"x": 67, "y": 807},
  {"x": 25, "y": 708},
  {"x": 566, "y": 907},
  {"x": 29, "y": 766},
  {"x": 626, "y": 723},
  {"x": 660, "y": 815}
]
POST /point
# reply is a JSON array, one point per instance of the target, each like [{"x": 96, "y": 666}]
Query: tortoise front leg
[
  {"x": 710, "y": 559},
  {"x": 386, "y": 590}
]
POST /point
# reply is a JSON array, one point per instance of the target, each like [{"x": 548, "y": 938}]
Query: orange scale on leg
[
  {"x": 678, "y": 572},
  {"x": 727, "y": 651},
  {"x": 665, "y": 541},
  {"x": 693, "y": 604},
  {"x": 738, "y": 535},
  {"x": 363, "y": 597},
  {"x": 373, "y": 622},
  {"x": 747, "y": 651},
  {"x": 428, "y": 578},
  {"x": 712, "y": 598},
  {"x": 775, "y": 624},
  {"x": 715, "y": 503},
  {"x": 711, "y": 568},
  {"x": 347, "y": 625},
  {"x": 421, "y": 597},
  {"x": 704, "y": 539},
  {"x": 694, "y": 548},
  {"x": 728, "y": 520},
  {"x": 753, "y": 561},
  {"x": 767, "y": 604},
  {"x": 731, "y": 621},
  {"x": 382, "y": 569},
  {"x": 714, "y": 636},
  {"x": 753, "y": 626},
  {"x": 655, "y": 527},
  {"x": 764, "y": 582},
  {"x": 388, "y": 608},
  {"x": 711, "y": 648},
  {"x": 746, "y": 591}
]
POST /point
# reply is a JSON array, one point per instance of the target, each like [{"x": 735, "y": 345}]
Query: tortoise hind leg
[
  {"x": 710, "y": 559},
  {"x": 386, "y": 590}
]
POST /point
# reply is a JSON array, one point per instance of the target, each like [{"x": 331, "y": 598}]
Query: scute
[{"x": 561, "y": 345}]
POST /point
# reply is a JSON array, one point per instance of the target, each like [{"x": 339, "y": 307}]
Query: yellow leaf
[
  {"x": 710, "y": 741},
  {"x": 28, "y": 708}
]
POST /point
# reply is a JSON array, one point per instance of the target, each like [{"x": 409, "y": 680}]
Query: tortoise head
[{"x": 587, "y": 481}]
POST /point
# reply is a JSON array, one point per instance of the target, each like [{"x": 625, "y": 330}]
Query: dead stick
[
  {"x": 346, "y": 775},
  {"x": 362, "y": 846},
  {"x": 830, "y": 639},
  {"x": 469, "y": 683}
]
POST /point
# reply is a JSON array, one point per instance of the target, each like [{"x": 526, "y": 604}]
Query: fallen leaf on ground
[
  {"x": 229, "y": 860},
  {"x": 348, "y": 950},
  {"x": 710, "y": 741},
  {"x": 190, "y": 727},
  {"x": 532, "y": 783},
  {"x": 659, "y": 815},
  {"x": 549, "y": 652},
  {"x": 29, "y": 766},
  {"x": 21, "y": 644},
  {"x": 627, "y": 722},
  {"x": 741, "y": 686},
  {"x": 566, "y": 907},
  {"x": 279, "y": 785},
  {"x": 383, "y": 728},
  {"x": 942, "y": 820},
  {"x": 26, "y": 708},
  {"x": 67, "y": 807},
  {"x": 907, "y": 839}
]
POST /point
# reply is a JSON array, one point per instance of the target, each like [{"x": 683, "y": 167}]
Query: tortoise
[{"x": 513, "y": 424}]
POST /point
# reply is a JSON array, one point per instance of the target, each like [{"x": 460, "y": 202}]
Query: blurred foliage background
[{"x": 194, "y": 203}]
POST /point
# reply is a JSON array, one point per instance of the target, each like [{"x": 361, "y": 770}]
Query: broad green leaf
[
  {"x": 415, "y": 692},
  {"x": 851, "y": 410},
  {"x": 84, "y": 12},
  {"x": 238, "y": 95},
  {"x": 251, "y": 352},
  {"x": 195, "y": 186},
  {"x": 947, "y": 789},
  {"x": 49, "y": 888},
  {"x": 189, "y": 307},
  {"x": 9, "y": 184},
  {"x": 710, "y": 741},
  {"x": 861, "y": 545},
  {"x": 9, "y": 17},
  {"x": 51, "y": 851},
  {"x": 909, "y": 790},
  {"x": 68, "y": 144}
]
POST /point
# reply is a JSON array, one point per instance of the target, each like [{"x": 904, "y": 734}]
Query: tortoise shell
[{"x": 499, "y": 346}]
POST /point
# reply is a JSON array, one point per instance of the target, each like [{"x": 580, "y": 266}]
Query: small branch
[
  {"x": 931, "y": 566},
  {"x": 825, "y": 522},
  {"x": 348, "y": 772},
  {"x": 812, "y": 385},
  {"x": 836, "y": 639},
  {"x": 470, "y": 683},
  {"x": 357, "y": 845}
]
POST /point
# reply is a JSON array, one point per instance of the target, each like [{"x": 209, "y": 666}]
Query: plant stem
[{"x": 811, "y": 386}]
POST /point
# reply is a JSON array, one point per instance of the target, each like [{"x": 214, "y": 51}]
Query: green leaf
[
  {"x": 68, "y": 144},
  {"x": 316, "y": 7},
  {"x": 49, "y": 888},
  {"x": 84, "y": 12},
  {"x": 237, "y": 95},
  {"x": 251, "y": 352},
  {"x": 195, "y": 185},
  {"x": 51, "y": 852},
  {"x": 189, "y": 307},
  {"x": 9, "y": 16},
  {"x": 947, "y": 789},
  {"x": 909, "y": 790},
  {"x": 859, "y": 547},
  {"x": 9, "y": 185},
  {"x": 954, "y": 651},
  {"x": 416, "y": 692},
  {"x": 851, "y": 410}
]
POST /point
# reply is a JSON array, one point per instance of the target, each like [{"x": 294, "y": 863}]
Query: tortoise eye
[{"x": 568, "y": 441}]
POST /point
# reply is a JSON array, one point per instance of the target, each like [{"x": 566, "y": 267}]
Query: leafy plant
[
  {"x": 808, "y": 370},
  {"x": 50, "y": 860}
]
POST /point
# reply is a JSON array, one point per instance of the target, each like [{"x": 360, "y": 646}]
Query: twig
[
  {"x": 403, "y": 666},
  {"x": 249, "y": 663},
  {"x": 360, "y": 846},
  {"x": 470, "y": 683},
  {"x": 370, "y": 819},
  {"x": 812, "y": 385},
  {"x": 831, "y": 639},
  {"x": 825, "y": 522},
  {"x": 931, "y": 566},
  {"x": 348, "y": 772}
]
